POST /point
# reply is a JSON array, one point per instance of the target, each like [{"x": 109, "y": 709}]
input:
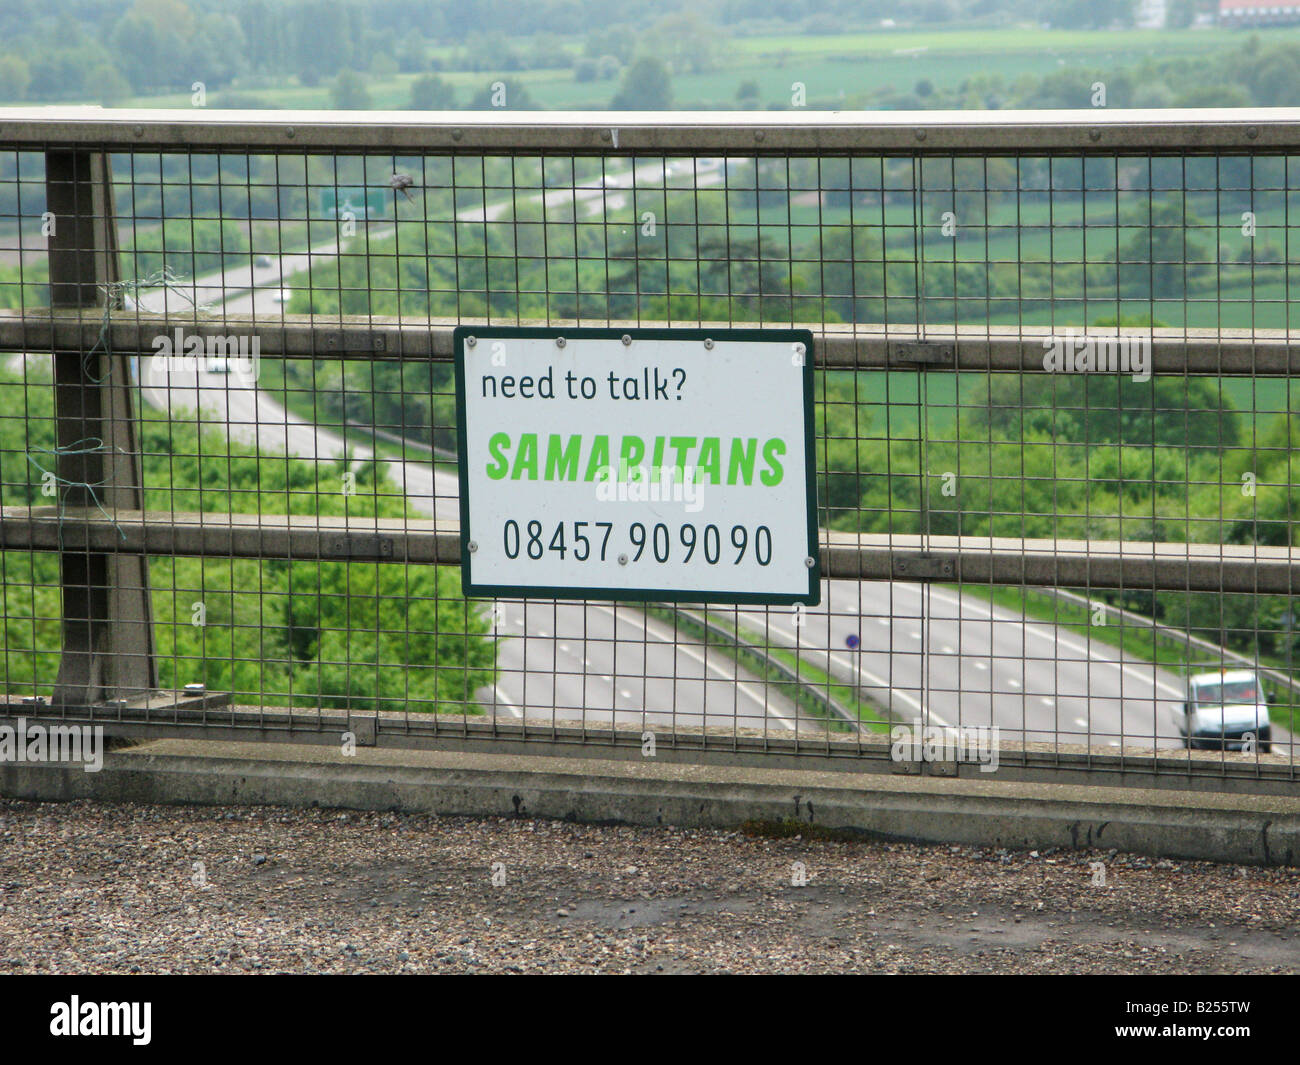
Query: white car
[{"x": 1223, "y": 710}]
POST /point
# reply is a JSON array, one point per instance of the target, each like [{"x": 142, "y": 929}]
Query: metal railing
[{"x": 264, "y": 544}]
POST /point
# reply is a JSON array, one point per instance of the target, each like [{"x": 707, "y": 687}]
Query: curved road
[
  {"x": 599, "y": 662},
  {"x": 592, "y": 662},
  {"x": 983, "y": 665}
]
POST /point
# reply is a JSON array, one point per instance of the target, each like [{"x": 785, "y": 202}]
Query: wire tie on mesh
[
  {"x": 91, "y": 445},
  {"x": 113, "y": 292}
]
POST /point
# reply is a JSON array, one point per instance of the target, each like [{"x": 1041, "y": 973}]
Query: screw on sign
[{"x": 851, "y": 641}]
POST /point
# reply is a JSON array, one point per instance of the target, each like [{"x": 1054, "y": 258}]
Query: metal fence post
[{"x": 108, "y": 650}]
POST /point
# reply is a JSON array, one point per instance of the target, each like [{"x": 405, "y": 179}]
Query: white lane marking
[
  {"x": 966, "y": 604},
  {"x": 337, "y": 249},
  {"x": 856, "y": 667},
  {"x": 744, "y": 686},
  {"x": 502, "y": 697},
  {"x": 959, "y": 600}
]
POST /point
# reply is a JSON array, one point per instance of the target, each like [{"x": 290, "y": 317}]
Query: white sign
[{"x": 638, "y": 464}]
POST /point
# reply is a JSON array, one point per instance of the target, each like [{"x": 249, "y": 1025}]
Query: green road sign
[{"x": 359, "y": 203}]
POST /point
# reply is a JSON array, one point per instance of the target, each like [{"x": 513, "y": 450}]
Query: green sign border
[{"x": 812, "y": 597}]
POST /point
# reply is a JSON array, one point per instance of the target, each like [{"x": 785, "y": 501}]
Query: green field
[{"x": 835, "y": 69}]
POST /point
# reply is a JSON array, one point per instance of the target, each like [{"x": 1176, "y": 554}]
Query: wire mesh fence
[{"x": 1053, "y": 421}]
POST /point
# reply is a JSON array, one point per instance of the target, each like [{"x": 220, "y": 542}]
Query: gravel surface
[{"x": 88, "y": 888}]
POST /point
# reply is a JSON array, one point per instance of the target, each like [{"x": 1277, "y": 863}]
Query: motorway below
[
  {"x": 594, "y": 662},
  {"x": 921, "y": 650},
  {"x": 928, "y": 651}
]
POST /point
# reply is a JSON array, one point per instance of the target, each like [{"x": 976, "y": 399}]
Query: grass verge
[{"x": 759, "y": 660}]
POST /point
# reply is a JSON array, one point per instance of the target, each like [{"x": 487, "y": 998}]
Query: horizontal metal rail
[
  {"x": 759, "y": 255},
  {"x": 1196, "y": 352},
  {"x": 1065, "y": 764},
  {"x": 231, "y": 535},
  {"x": 866, "y": 556},
  {"x": 624, "y": 133}
]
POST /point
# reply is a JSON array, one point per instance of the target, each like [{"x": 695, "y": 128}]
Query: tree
[
  {"x": 646, "y": 86},
  {"x": 1110, "y": 409},
  {"x": 411, "y": 56},
  {"x": 15, "y": 77},
  {"x": 431, "y": 93},
  {"x": 153, "y": 41},
  {"x": 1088, "y": 14},
  {"x": 1153, "y": 95},
  {"x": 747, "y": 94},
  {"x": 1161, "y": 260},
  {"x": 1277, "y": 80},
  {"x": 617, "y": 41},
  {"x": 1180, "y": 14},
  {"x": 111, "y": 85},
  {"x": 323, "y": 631},
  {"x": 685, "y": 41},
  {"x": 851, "y": 273},
  {"x": 218, "y": 49},
  {"x": 1216, "y": 95},
  {"x": 348, "y": 93}
]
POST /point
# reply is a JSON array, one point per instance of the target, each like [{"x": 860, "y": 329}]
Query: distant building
[
  {"x": 1150, "y": 15},
  {"x": 1258, "y": 12}
]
